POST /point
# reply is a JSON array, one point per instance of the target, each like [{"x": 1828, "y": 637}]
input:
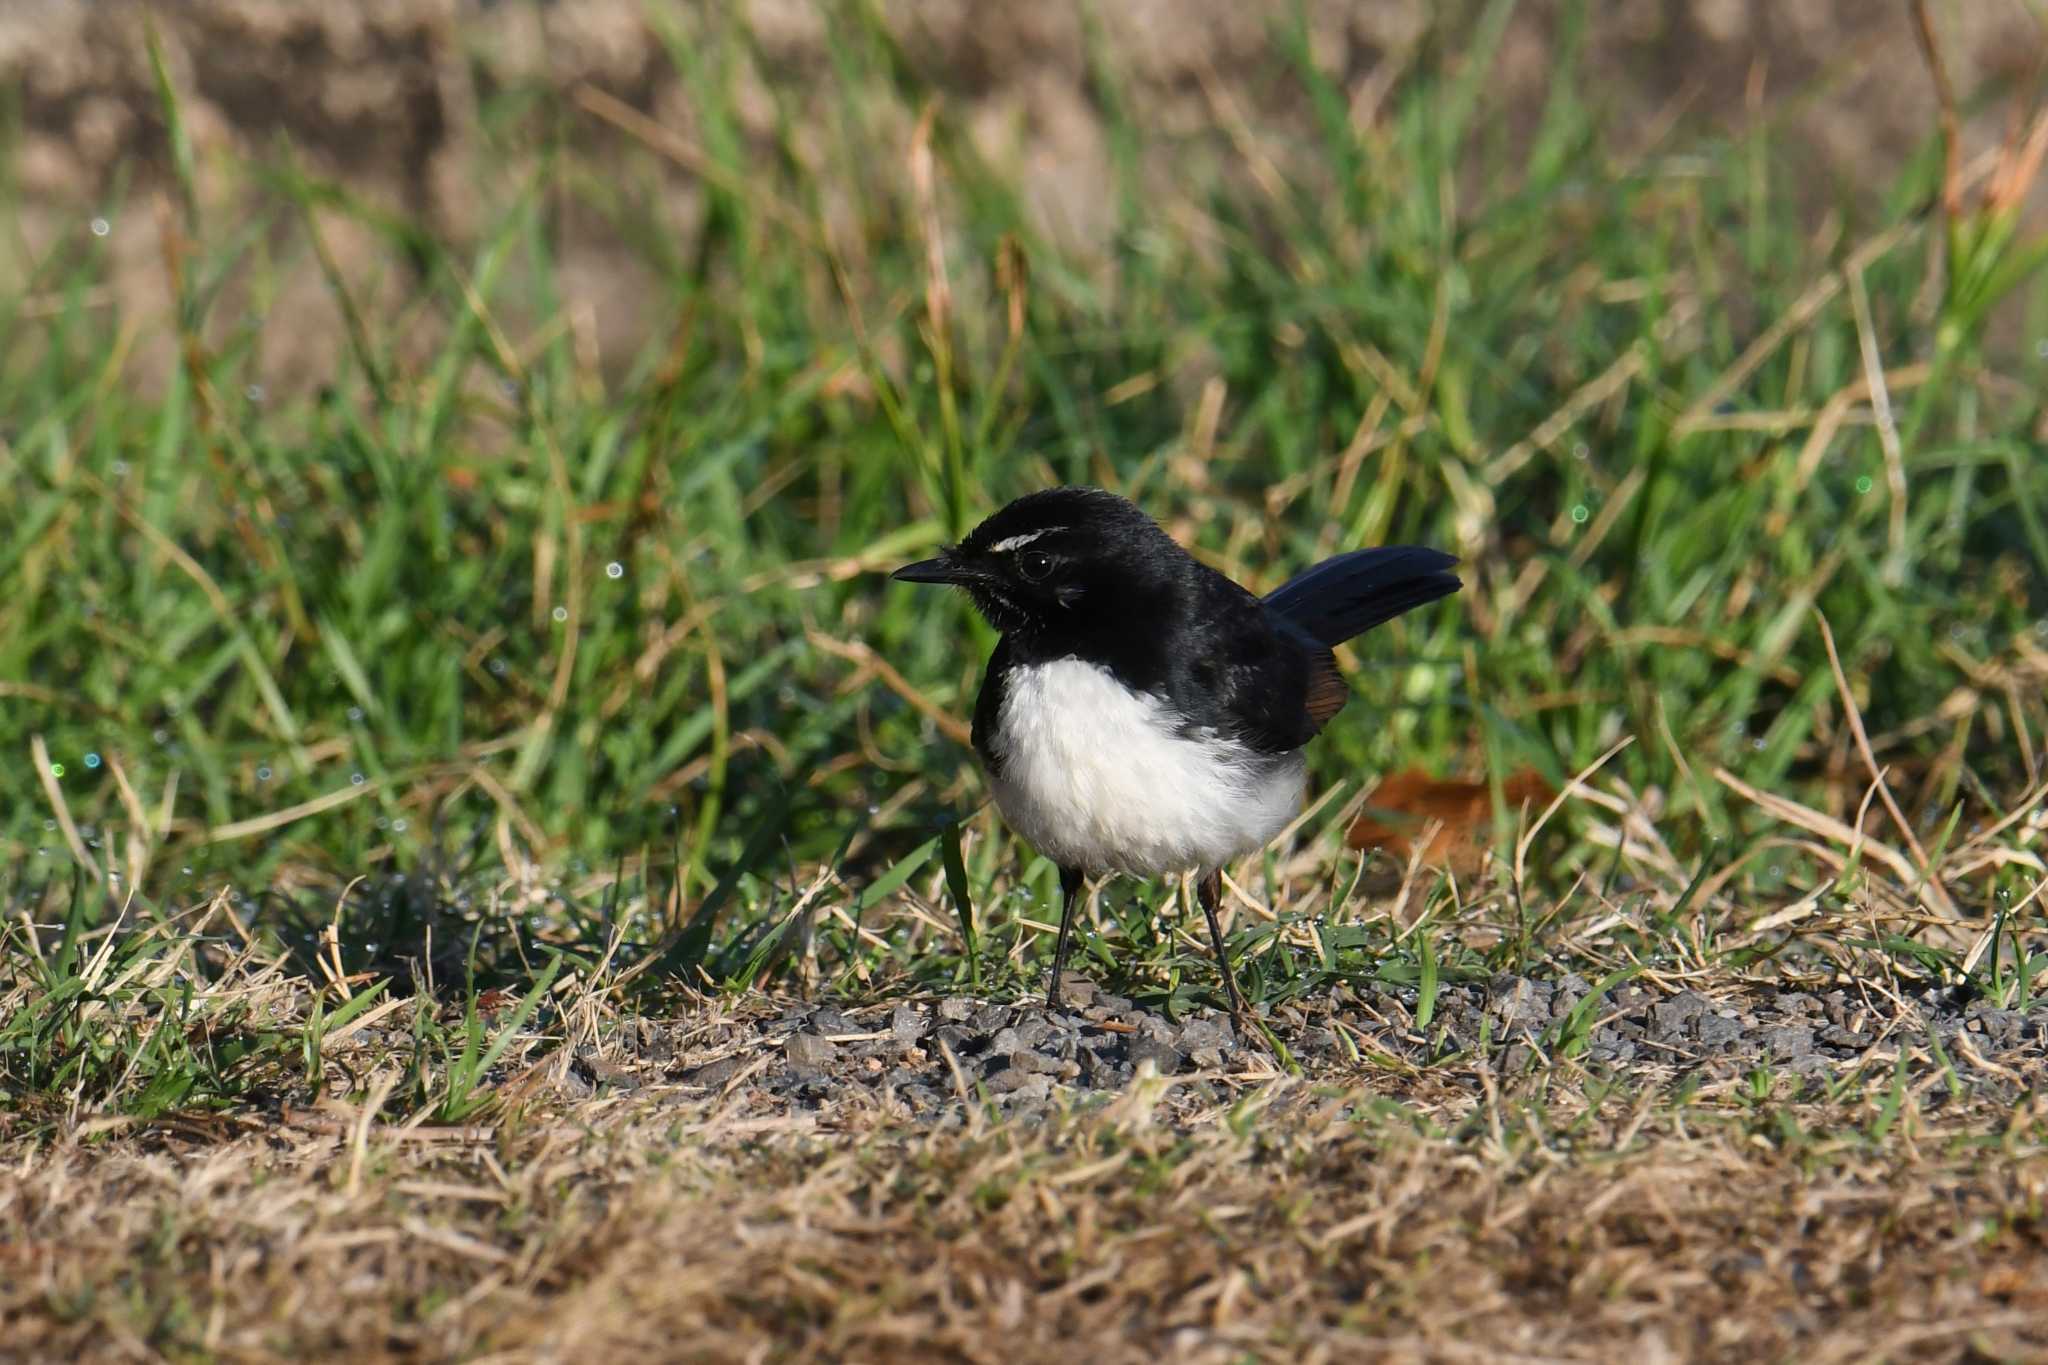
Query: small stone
[
  {"x": 989, "y": 1018},
  {"x": 716, "y": 1073},
  {"x": 1114, "y": 1004},
  {"x": 1033, "y": 1029},
  {"x": 1004, "y": 1043},
  {"x": 1031, "y": 1090},
  {"x": 1207, "y": 1033},
  {"x": 1634, "y": 998},
  {"x": 957, "y": 1037},
  {"x": 2004, "y": 1026},
  {"x": 831, "y": 1021},
  {"x": 1077, "y": 991},
  {"x": 1789, "y": 1040},
  {"x": 1037, "y": 1063},
  {"x": 1518, "y": 1058},
  {"x": 907, "y": 1024},
  {"x": 808, "y": 1050},
  {"x": 1518, "y": 1002},
  {"x": 1007, "y": 1079},
  {"x": 956, "y": 1009},
  {"x": 1669, "y": 1017},
  {"x": 1714, "y": 1030},
  {"x": 1164, "y": 1057},
  {"x": 1836, "y": 1036}
]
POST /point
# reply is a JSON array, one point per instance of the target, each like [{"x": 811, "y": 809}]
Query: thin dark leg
[
  {"x": 1070, "y": 898},
  {"x": 1208, "y": 890}
]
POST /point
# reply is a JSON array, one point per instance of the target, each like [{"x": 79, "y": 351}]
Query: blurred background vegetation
[{"x": 466, "y": 443}]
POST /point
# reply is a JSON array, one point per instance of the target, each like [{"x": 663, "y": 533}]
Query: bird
[{"x": 1143, "y": 713}]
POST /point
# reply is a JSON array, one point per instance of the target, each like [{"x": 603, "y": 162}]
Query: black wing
[{"x": 1250, "y": 673}]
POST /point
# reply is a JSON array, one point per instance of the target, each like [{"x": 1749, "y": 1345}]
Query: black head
[{"x": 1066, "y": 559}]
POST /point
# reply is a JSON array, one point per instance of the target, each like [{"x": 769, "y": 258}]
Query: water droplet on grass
[
  {"x": 398, "y": 826},
  {"x": 615, "y": 570},
  {"x": 355, "y": 713},
  {"x": 56, "y": 770},
  {"x": 355, "y": 779},
  {"x": 1757, "y": 744},
  {"x": 560, "y": 614},
  {"x": 160, "y": 735},
  {"x": 1863, "y": 485},
  {"x": 1581, "y": 514},
  {"x": 497, "y": 668},
  {"x": 120, "y": 468},
  {"x": 263, "y": 773},
  {"x": 92, "y": 760},
  {"x": 100, "y": 227},
  {"x": 254, "y": 393}
]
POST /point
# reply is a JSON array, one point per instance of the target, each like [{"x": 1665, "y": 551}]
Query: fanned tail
[{"x": 1351, "y": 593}]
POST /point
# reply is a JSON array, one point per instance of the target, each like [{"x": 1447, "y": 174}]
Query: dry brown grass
[{"x": 1445, "y": 1215}]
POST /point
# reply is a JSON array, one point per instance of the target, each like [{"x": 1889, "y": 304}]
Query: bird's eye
[{"x": 1034, "y": 564}]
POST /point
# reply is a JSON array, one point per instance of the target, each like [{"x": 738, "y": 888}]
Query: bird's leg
[
  {"x": 1208, "y": 890},
  {"x": 1070, "y": 897}
]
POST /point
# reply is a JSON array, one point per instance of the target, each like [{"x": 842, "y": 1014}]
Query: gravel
[{"x": 931, "y": 1057}]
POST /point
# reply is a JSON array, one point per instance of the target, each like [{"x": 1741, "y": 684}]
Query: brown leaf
[{"x": 1454, "y": 816}]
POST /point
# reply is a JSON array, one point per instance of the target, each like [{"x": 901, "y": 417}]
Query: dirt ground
[{"x": 774, "y": 1178}]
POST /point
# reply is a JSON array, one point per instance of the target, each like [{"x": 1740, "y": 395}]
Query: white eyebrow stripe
[{"x": 1019, "y": 542}]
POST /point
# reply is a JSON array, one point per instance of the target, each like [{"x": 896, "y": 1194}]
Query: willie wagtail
[{"x": 1142, "y": 713}]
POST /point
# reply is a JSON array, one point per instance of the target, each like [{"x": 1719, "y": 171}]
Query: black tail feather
[{"x": 1352, "y": 593}]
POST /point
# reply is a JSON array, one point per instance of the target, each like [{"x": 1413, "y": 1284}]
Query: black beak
[{"x": 940, "y": 570}]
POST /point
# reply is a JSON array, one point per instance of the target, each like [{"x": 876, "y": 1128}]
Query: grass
[{"x": 491, "y": 697}]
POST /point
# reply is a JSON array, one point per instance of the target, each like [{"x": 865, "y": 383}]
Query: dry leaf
[{"x": 1455, "y": 816}]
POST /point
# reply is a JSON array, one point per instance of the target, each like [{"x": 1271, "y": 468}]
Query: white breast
[{"x": 1095, "y": 776}]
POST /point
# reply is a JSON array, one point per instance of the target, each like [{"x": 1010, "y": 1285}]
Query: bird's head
[{"x": 1065, "y": 558}]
